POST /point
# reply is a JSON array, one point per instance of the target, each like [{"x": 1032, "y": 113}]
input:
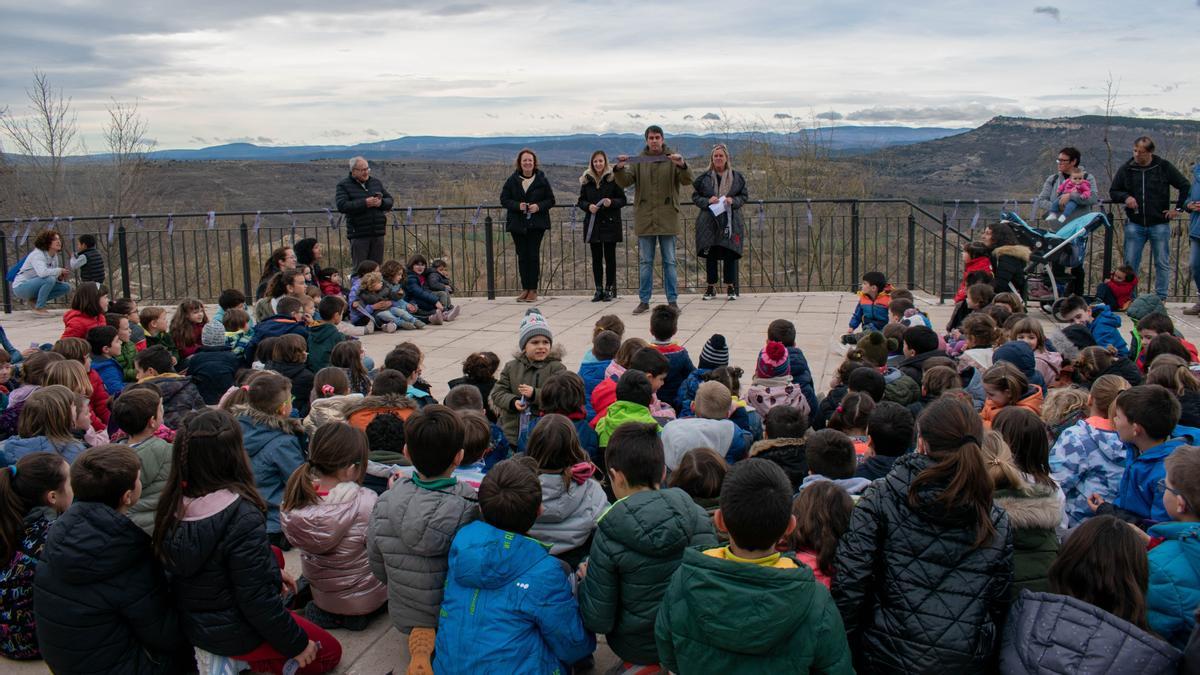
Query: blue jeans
[
  {"x": 42, "y": 289},
  {"x": 394, "y": 315},
  {"x": 1196, "y": 263},
  {"x": 1066, "y": 210},
  {"x": 646, "y": 266},
  {"x": 1159, "y": 237}
]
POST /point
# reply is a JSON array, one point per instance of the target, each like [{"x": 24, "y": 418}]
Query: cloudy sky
[{"x": 298, "y": 71}]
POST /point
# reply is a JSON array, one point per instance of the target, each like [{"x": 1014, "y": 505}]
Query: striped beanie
[
  {"x": 715, "y": 353},
  {"x": 532, "y": 325}
]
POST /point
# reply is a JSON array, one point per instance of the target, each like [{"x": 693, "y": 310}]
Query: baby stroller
[{"x": 1066, "y": 247}]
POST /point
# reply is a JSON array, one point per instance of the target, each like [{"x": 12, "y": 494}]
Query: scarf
[{"x": 724, "y": 181}]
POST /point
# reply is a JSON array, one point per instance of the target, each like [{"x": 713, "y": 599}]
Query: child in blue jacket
[
  {"x": 872, "y": 310},
  {"x": 604, "y": 348},
  {"x": 1174, "y": 590},
  {"x": 664, "y": 323},
  {"x": 1101, "y": 322},
  {"x": 508, "y": 605},
  {"x": 104, "y": 343},
  {"x": 1144, "y": 417},
  {"x": 433, "y": 304}
]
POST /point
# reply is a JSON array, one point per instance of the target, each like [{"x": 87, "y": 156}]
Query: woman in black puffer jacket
[
  {"x": 601, "y": 199},
  {"x": 527, "y": 197},
  {"x": 922, "y": 575}
]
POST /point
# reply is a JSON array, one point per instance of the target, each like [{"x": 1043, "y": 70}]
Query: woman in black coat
[
  {"x": 601, "y": 199},
  {"x": 719, "y": 238},
  {"x": 1009, "y": 259},
  {"x": 527, "y": 197}
]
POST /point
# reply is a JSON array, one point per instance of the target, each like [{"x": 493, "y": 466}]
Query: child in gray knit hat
[{"x": 516, "y": 390}]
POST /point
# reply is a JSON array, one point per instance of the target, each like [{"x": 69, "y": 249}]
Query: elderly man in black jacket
[{"x": 365, "y": 202}]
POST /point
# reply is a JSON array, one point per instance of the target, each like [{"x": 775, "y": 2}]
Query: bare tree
[
  {"x": 1111, "y": 94},
  {"x": 125, "y": 138},
  {"x": 44, "y": 137}
]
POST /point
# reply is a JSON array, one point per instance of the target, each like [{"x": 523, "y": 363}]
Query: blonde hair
[
  {"x": 728, "y": 157},
  {"x": 47, "y": 412},
  {"x": 712, "y": 401},
  {"x": 998, "y": 459},
  {"x": 370, "y": 279},
  {"x": 1104, "y": 392},
  {"x": 72, "y": 375},
  {"x": 1062, "y": 403}
]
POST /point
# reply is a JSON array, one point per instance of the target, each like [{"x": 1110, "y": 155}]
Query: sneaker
[
  {"x": 1062, "y": 218},
  {"x": 407, "y": 325},
  {"x": 1193, "y": 310},
  {"x": 733, "y": 294},
  {"x": 369, "y": 328},
  {"x": 641, "y": 308},
  {"x": 709, "y": 293},
  {"x": 451, "y": 314},
  {"x": 420, "y": 650},
  {"x": 321, "y": 617},
  {"x": 419, "y": 324},
  {"x": 436, "y": 318},
  {"x": 389, "y": 327},
  {"x": 1051, "y": 216}
]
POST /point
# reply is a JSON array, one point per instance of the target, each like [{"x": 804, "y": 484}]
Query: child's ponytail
[
  {"x": 334, "y": 446},
  {"x": 1007, "y": 377},
  {"x": 853, "y": 413},
  {"x": 22, "y": 487},
  {"x": 952, "y": 433},
  {"x": 330, "y": 381}
]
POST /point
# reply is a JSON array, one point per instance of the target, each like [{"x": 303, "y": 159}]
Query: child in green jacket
[
  {"x": 634, "y": 393},
  {"x": 128, "y": 347}
]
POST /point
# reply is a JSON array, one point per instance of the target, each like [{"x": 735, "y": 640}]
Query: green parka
[
  {"x": 521, "y": 370},
  {"x": 656, "y": 194},
  {"x": 638, "y": 545},
  {"x": 723, "y": 616}
]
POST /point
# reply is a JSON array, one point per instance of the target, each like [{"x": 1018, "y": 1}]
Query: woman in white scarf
[{"x": 719, "y": 193}]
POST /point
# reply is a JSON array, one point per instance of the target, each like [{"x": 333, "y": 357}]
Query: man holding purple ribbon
[
  {"x": 365, "y": 202},
  {"x": 657, "y": 174}
]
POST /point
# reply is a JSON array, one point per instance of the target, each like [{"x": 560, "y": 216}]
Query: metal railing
[{"x": 789, "y": 245}]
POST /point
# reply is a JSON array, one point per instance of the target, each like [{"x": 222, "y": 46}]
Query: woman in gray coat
[{"x": 719, "y": 237}]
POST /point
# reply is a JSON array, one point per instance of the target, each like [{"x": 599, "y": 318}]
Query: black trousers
[
  {"x": 366, "y": 248},
  {"x": 604, "y": 264},
  {"x": 529, "y": 261},
  {"x": 716, "y": 255}
]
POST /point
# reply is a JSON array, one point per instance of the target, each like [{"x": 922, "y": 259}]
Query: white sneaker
[
  {"x": 369, "y": 328},
  {"x": 389, "y": 327},
  {"x": 1052, "y": 216},
  {"x": 1062, "y": 218}
]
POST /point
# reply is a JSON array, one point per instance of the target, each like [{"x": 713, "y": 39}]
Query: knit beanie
[
  {"x": 715, "y": 353},
  {"x": 874, "y": 348},
  {"x": 532, "y": 325},
  {"x": 773, "y": 361},
  {"x": 213, "y": 334}
]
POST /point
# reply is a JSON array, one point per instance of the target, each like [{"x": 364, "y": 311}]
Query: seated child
[
  {"x": 288, "y": 320},
  {"x": 385, "y": 437},
  {"x": 80, "y": 351},
  {"x": 700, "y": 473},
  {"x": 230, "y": 298},
  {"x": 1005, "y": 385},
  {"x": 571, "y": 500},
  {"x": 1010, "y": 300},
  {"x": 664, "y": 324},
  {"x": 624, "y": 580},
  {"x": 783, "y": 442},
  {"x": 479, "y": 371},
  {"x": 562, "y": 394},
  {"x": 186, "y": 326},
  {"x": 975, "y": 258},
  {"x": 329, "y": 399},
  {"x": 1144, "y": 417},
  {"x": 1096, "y": 361},
  {"x": 435, "y": 304},
  {"x": 890, "y": 429},
  {"x": 852, "y": 375},
  {"x": 508, "y": 606},
  {"x": 871, "y": 311},
  {"x": 851, "y": 418},
  {"x": 873, "y": 349},
  {"x": 179, "y": 395},
  {"x": 1064, "y": 407},
  {"x": 1049, "y": 364},
  {"x": 715, "y": 354},
  {"x": 36, "y": 489},
  {"x": 100, "y": 599},
  {"x": 1119, "y": 290},
  {"x": 325, "y": 514},
  {"x": 465, "y": 398},
  {"x": 515, "y": 394},
  {"x": 831, "y": 457},
  {"x": 1172, "y": 371},
  {"x": 1175, "y": 563},
  {"x": 289, "y": 358},
  {"x": 129, "y": 309},
  {"x": 920, "y": 344},
  {"x": 237, "y": 332},
  {"x": 610, "y": 322},
  {"x": 128, "y": 352},
  {"x": 893, "y": 336},
  {"x": 702, "y": 627},
  {"x": 973, "y": 277},
  {"x": 324, "y": 335},
  {"x": 772, "y": 382},
  {"x": 371, "y": 291},
  {"x": 388, "y": 397},
  {"x": 1077, "y": 190},
  {"x": 33, "y": 377},
  {"x": 710, "y": 428},
  {"x": 822, "y": 513},
  {"x": 50, "y": 419},
  {"x": 1089, "y": 457},
  {"x": 139, "y": 413},
  {"x": 329, "y": 280},
  {"x": 634, "y": 392},
  {"x": 438, "y": 278},
  {"x": 213, "y": 366},
  {"x": 348, "y": 356},
  {"x": 1151, "y": 326},
  {"x": 981, "y": 335},
  {"x": 89, "y": 304},
  {"x": 407, "y": 359},
  {"x": 740, "y": 412},
  {"x": 105, "y": 346},
  {"x": 1101, "y": 322},
  {"x": 604, "y": 347},
  {"x": 1021, "y": 355},
  {"x": 428, "y": 507},
  {"x": 782, "y": 330}
]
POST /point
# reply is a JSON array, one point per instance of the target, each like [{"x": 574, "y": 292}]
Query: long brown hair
[
  {"x": 554, "y": 445},
  {"x": 183, "y": 331},
  {"x": 348, "y": 354},
  {"x": 1029, "y": 439},
  {"x": 822, "y": 513},
  {"x": 22, "y": 487},
  {"x": 1104, "y": 564},
  {"x": 700, "y": 473},
  {"x": 207, "y": 455},
  {"x": 952, "y": 432},
  {"x": 334, "y": 446}
]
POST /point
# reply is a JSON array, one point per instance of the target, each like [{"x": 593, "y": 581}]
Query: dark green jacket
[
  {"x": 722, "y": 616},
  {"x": 1033, "y": 514},
  {"x": 322, "y": 338},
  {"x": 638, "y": 544}
]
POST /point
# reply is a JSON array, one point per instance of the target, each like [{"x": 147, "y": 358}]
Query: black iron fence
[{"x": 790, "y": 245}]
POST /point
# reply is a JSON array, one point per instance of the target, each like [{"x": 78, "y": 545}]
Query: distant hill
[
  {"x": 1009, "y": 157},
  {"x": 557, "y": 149}
]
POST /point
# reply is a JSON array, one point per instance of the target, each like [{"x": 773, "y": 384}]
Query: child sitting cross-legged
[
  {"x": 710, "y": 428},
  {"x": 746, "y": 607},
  {"x": 571, "y": 500},
  {"x": 1101, "y": 322},
  {"x": 413, "y": 524},
  {"x": 664, "y": 324},
  {"x": 783, "y": 442},
  {"x": 831, "y": 457},
  {"x": 822, "y": 512},
  {"x": 100, "y": 598},
  {"x": 325, "y": 514},
  {"x": 139, "y": 413},
  {"x": 508, "y": 605},
  {"x": 623, "y": 578},
  {"x": 1144, "y": 417}
]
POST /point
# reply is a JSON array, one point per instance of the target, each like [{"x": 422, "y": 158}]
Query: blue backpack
[{"x": 11, "y": 275}]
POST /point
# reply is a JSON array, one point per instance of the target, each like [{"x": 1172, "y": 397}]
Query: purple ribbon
[
  {"x": 211, "y": 219},
  {"x": 257, "y": 221},
  {"x": 408, "y": 216},
  {"x": 475, "y": 218},
  {"x": 71, "y": 227},
  {"x": 289, "y": 212},
  {"x": 28, "y": 229},
  {"x": 16, "y": 229},
  {"x": 808, "y": 204},
  {"x": 1033, "y": 210},
  {"x": 170, "y": 224},
  {"x": 329, "y": 214},
  {"x": 975, "y": 219},
  {"x": 112, "y": 228},
  {"x": 395, "y": 221},
  {"x": 573, "y": 218},
  {"x": 953, "y": 214},
  {"x": 437, "y": 216},
  {"x": 762, "y": 215},
  {"x": 138, "y": 222}
]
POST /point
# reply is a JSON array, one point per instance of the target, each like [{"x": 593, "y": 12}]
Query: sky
[{"x": 293, "y": 72}]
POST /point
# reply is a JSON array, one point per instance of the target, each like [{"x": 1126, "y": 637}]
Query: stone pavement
[{"x": 820, "y": 318}]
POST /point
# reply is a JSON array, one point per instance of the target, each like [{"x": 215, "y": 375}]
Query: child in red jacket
[
  {"x": 1119, "y": 290},
  {"x": 88, "y": 307}
]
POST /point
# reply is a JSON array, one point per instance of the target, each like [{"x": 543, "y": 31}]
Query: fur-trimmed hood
[
  {"x": 1014, "y": 250},
  {"x": 1063, "y": 345},
  {"x": 1036, "y": 506},
  {"x": 767, "y": 444},
  {"x": 590, "y": 175},
  {"x": 557, "y": 353},
  {"x": 383, "y": 401},
  {"x": 288, "y": 425}
]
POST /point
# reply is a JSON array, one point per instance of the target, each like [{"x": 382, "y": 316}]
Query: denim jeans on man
[
  {"x": 42, "y": 289},
  {"x": 1159, "y": 237},
  {"x": 646, "y": 266}
]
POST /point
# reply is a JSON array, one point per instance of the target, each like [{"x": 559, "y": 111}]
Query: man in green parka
[{"x": 656, "y": 174}]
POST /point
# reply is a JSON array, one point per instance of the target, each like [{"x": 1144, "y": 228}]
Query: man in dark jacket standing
[
  {"x": 1144, "y": 185},
  {"x": 365, "y": 202}
]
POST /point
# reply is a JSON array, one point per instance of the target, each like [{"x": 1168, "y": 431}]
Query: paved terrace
[{"x": 820, "y": 320}]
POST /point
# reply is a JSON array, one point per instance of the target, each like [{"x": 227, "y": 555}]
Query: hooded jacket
[
  {"x": 802, "y": 375},
  {"x": 766, "y": 393},
  {"x": 1021, "y": 355},
  {"x": 506, "y": 586},
  {"x": 212, "y": 370},
  {"x": 679, "y": 436},
  {"x": 277, "y": 325},
  {"x": 155, "y": 454},
  {"x": 1174, "y": 589},
  {"x": 110, "y": 372},
  {"x": 225, "y": 581},
  {"x": 100, "y": 599},
  {"x": 1032, "y": 400},
  {"x": 512, "y": 194},
  {"x": 981, "y": 264},
  {"x": 302, "y": 382},
  {"x": 1151, "y": 186},
  {"x": 326, "y": 410},
  {"x": 687, "y": 391},
  {"x": 18, "y": 630},
  {"x": 1139, "y": 491},
  {"x": 1033, "y": 515},
  {"x": 522, "y": 370},
  {"x": 726, "y": 616},
  {"x": 900, "y": 388},
  {"x": 1088, "y": 458},
  {"x": 360, "y": 412},
  {"x": 727, "y": 230},
  {"x": 1009, "y": 264},
  {"x": 788, "y": 453},
  {"x": 592, "y": 374},
  {"x": 15, "y": 448},
  {"x": 416, "y": 292},
  {"x": 872, "y": 313},
  {"x": 361, "y": 220},
  {"x": 656, "y": 193},
  {"x": 569, "y": 512},
  {"x": 679, "y": 366},
  {"x": 638, "y": 546},
  {"x": 1106, "y": 329},
  {"x": 322, "y": 338},
  {"x": 276, "y": 448},
  {"x": 77, "y": 324},
  {"x": 619, "y": 413},
  {"x": 895, "y": 557},
  {"x": 1048, "y": 634},
  {"x": 332, "y": 538},
  {"x": 179, "y": 397},
  {"x": 605, "y": 225},
  {"x": 408, "y": 544}
]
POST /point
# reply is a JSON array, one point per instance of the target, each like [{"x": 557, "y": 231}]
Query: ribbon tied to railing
[
  {"x": 289, "y": 212},
  {"x": 437, "y": 216},
  {"x": 28, "y": 229},
  {"x": 573, "y": 219},
  {"x": 16, "y": 229},
  {"x": 975, "y": 218},
  {"x": 408, "y": 218},
  {"x": 333, "y": 224},
  {"x": 762, "y": 214},
  {"x": 170, "y": 224},
  {"x": 1033, "y": 209},
  {"x": 112, "y": 227},
  {"x": 139, "y": 222},
  {"x": 71, "y": 227},
  {"x": 211, "y": 219},
  {"x": 257, "y": 221},
  {"x": 809, "y": 214},
  {"x": 953, "y": 214},
  {"x": 475, "y": 218},
  {"x": 395, "y": 221},
  {"x": 54, "y": 226}
]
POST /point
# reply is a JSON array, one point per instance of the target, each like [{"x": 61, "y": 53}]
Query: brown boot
[
  {"x": 420, "y": 651},
  {"x": 531, "y": 297},
  {"x": 524, "y": 296}
]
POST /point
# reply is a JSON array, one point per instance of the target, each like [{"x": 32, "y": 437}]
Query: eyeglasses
[
  {"x": 1063, "y": 161},
  {"x": 1162, "y": 485}
]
